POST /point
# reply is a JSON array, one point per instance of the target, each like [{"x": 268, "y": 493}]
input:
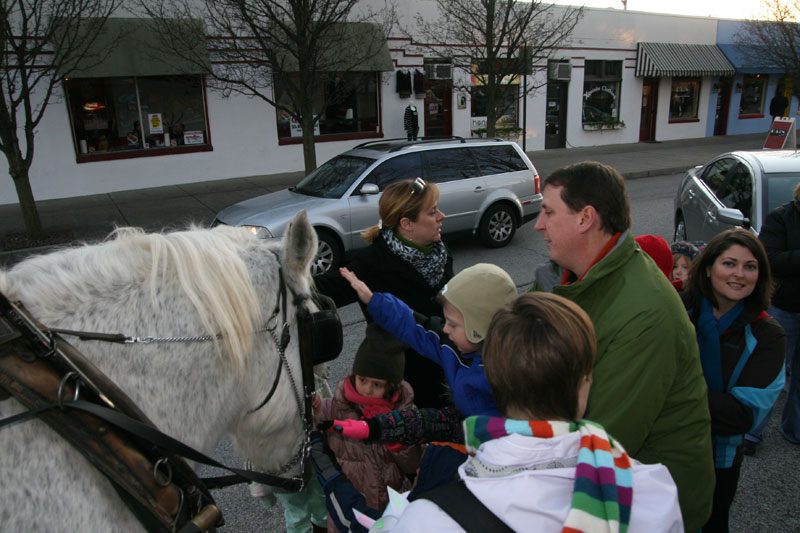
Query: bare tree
[
  {"x": 44, "y": 41},
  {"x": 495, "y": 41},
  {"x": 288, "y": 53},
  {"x": 774, "y": 42}
]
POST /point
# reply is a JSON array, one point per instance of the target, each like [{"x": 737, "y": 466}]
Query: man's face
[{"x": 559, "y": 227}]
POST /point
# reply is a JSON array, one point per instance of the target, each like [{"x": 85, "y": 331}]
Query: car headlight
[{"x": 259, "y": 231}]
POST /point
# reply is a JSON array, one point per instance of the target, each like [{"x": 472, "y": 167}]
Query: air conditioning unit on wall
[
  {"x": 560, "y": 71},
  {"x": 439, "y": 71}
]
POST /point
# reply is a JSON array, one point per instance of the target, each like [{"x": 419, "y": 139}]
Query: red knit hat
[{"x": 657, "y": 248}]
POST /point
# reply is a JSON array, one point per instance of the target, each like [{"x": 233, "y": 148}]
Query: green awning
[
  {"x": 134, "y": 47},
  {"x": 351, "y": 47}
]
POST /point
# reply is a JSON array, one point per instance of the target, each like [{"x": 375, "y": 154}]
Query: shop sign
[{"x": 783, "y": 128}]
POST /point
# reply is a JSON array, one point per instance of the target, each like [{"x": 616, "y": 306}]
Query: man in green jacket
[{"x": 648, "y": 388}]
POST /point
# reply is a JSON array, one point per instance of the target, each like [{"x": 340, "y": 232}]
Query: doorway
[
  {"x": 438, "y": 108},
  {"x": 647, "y": 124},
  {"x": 555, "y": 126},
  {"x": 723, "y": 105}
]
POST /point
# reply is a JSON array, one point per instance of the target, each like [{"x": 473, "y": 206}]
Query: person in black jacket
[
  {"x": 407, "y": 258},
  {"x": 780, "y": 235},
  {"x": 741, "y": 350},
  {"x": 778, "y": 104}
]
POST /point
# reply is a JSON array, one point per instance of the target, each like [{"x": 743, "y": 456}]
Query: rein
[{"x": 313, "y": 328}]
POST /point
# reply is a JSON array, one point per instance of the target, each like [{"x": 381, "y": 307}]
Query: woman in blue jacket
[{"x": 741, "y": 349}]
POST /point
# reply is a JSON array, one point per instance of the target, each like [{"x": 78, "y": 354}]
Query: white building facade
[{"x": 611, "y": 84}]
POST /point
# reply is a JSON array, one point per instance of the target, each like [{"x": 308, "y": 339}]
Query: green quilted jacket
[{"x": 648, "y": 388}]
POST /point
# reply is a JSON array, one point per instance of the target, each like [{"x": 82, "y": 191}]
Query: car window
[
  {"x": 404, "y": 167},
  {"x": 778, "y": 189},
  {"x": 334, "y": 177},
  {"x": 450, "y": 164},
  {"x": 498, "y": 159},
  {"x": 715, "y": 174},
  {"x": 736, "y": 191}
]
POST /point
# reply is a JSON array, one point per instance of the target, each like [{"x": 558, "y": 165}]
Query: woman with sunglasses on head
[
  {"x": 741, "y": 350},
  {"x": 407, "y": 258}
]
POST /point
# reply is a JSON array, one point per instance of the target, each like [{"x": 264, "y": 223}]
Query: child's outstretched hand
[{"x": 364, "y": 293}]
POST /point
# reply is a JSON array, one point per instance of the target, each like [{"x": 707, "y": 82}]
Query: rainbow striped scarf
[{"x": 603, "y": 493}]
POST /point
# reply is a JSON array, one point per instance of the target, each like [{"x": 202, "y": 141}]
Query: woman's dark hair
[{"x": 700, "y": 281}]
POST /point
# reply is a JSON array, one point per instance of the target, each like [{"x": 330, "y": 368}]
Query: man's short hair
[
  {"x": 598, "y": 185},
  {"x": 537, "y": 351}
]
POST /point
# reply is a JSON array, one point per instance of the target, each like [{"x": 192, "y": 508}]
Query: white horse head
[{"x": 183, "y": 284}]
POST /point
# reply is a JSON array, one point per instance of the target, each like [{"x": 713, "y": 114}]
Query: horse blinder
[{"x": 323, "y": 328}]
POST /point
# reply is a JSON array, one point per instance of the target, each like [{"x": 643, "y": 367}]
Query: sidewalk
[{"x": 174, "y": 206}]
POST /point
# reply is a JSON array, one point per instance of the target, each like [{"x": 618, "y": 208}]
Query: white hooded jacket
[{"x": 533, "y": 489}]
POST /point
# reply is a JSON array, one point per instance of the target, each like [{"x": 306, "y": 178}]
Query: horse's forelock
[{"x": 215, "y": 278}]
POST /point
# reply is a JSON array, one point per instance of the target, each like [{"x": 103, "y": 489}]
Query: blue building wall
[{"x": 726, "y": 32}]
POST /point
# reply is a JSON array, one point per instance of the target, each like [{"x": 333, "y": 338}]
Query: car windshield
[
  {"x": 333, "y": 178},
  {"x": 778, "y": 189}
]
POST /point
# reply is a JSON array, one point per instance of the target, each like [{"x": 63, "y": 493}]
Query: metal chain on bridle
[{"x": 280, "y": 342}]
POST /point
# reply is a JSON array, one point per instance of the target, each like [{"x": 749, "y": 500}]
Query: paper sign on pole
[{"x": 782, "y": 134}]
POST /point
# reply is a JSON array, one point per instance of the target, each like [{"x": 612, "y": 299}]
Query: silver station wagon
[
  {"x": 736, "y": 189},
  {"x": 488, "y": 188}
]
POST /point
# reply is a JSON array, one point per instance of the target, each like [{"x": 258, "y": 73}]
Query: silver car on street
[
  {"x": 488, "y": 188},
  {"x": 736, "y": 189}
]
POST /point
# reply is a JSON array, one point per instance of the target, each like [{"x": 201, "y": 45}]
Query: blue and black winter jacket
[
  {"x": 464, "y": 372},
  {"x": 752, "y": 352}
]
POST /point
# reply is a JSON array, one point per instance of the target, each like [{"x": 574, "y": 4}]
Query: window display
[
  {"x": 508, "y": 96},
  {"x": 147, "y": 113},
  {"x": 601, "y": 86},
  {"x": 347, "y": 101},
  {"x": 754, "y": 87},
  {"x": 684, "y": 98}
]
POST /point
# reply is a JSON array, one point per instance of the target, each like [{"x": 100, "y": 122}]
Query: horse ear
[{"x": 300, "y": 244}]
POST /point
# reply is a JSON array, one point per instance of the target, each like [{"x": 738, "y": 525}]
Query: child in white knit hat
[{"x": 469, "y": 301}]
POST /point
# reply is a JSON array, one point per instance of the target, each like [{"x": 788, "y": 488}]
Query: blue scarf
[{"x": 709, "y": 331}]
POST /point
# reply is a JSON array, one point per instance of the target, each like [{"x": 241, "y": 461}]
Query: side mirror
[
  {"x": 734, "y": 217},
  {"x": 369, "y": 188}
]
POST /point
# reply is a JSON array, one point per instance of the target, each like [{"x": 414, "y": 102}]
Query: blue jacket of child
[{"x": 464, "y": 372}]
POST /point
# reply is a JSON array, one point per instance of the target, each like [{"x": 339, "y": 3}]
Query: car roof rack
[{"x": 403, "y": 142}]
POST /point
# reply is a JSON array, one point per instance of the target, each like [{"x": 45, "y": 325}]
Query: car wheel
[
  {"x": 329, "y": 253},
  {"x": 498, "y": 226},
  {"x": 680, "y": 230}
]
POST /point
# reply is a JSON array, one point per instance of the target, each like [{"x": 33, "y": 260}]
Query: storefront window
[
  {"x": 508, "y": 95},
  {"x": 130, "y": 114},
  {"x": 684, "y": 98},
  {"x": 753, "y": 90},
  {"x": 347, "y": 101},
  {"x": 601, "y": 86}
]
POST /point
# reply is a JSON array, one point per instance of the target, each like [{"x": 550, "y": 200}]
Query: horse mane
[{"x": 205, "y": 263}]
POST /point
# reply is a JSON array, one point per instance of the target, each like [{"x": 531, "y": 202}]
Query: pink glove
[
  {"x": 354, "y": 429},
  {"x": 394, "y": 446}
]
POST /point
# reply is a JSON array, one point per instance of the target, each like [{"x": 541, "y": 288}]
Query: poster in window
[
  {"x": 297, "y": 130},
  {"x": 155, "y": 122},
  {"x": 193, "y": 137}
]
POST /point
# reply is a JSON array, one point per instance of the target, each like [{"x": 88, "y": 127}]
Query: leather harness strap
[{"x": 34, "y": 371}]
